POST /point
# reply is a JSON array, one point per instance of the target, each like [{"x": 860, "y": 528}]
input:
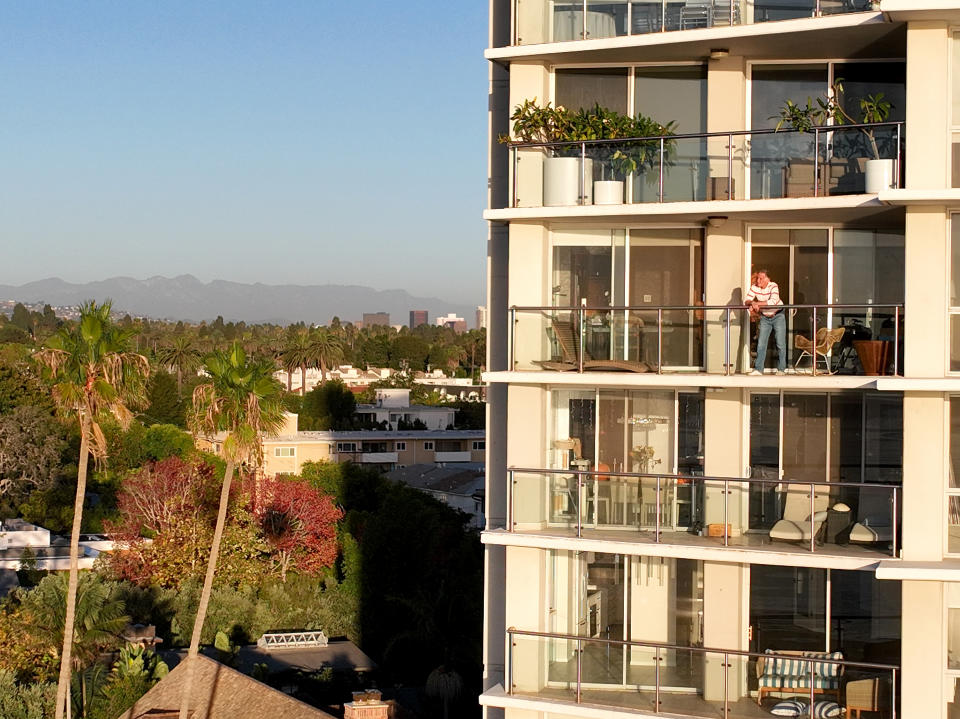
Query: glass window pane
[
  {"x": 764, "y": 459},
  {"x": 955, "y": 260},
  {"x": 953, "y": 524},
  {"x": 585, "y": 87},
  {"x": 805, "y": 437},
  {"x": 956, "y": 80},
  {"x": 955, "y": 343},
  {"x": 955, "y": 441},
  {"x": 673, "y": 94}
]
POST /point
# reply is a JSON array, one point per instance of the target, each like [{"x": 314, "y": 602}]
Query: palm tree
[
  {"x": 297, "y": 353},
  {"x": 446, "y": 685},
  {"x": 182, "y": 354},
  {"x": 94, "y": 375},
  {"x": 325, "y": 350},
  {"x": 244, "y": 400},
  {"x": 98, "y": 622}
]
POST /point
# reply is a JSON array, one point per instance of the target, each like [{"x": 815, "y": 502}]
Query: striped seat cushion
[{"x": 794, "y": 673}]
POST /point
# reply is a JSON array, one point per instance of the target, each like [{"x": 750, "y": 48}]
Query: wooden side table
[{"x": 874, "y": 355}]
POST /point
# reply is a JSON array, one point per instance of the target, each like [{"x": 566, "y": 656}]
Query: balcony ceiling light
[{"x": 718, "y": 53}]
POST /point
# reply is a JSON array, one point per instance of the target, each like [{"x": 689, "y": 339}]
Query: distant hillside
[{"x": 187, "y": 298}]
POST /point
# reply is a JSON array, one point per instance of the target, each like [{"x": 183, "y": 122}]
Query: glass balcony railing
[
  {"x": 742, "y": 165},
  {"x": 849, "y": 339},
  {"x": 541, "y": 21},
  {"x": 744, "y": 513},
  {"x": 693, "y": 681}
]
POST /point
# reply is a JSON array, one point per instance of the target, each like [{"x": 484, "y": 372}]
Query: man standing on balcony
[{"x": 763, "y": 299}]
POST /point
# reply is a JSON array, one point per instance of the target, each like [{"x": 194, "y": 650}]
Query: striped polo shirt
[{"x": 769, "y": 295}]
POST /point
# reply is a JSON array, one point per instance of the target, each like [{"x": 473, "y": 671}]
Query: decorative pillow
[
  {"x": 826, "y": 710},
  {"x": 820, "y": 516},
  {"x": 840, "y": 507},
  {"x": 790, "y": 708}
]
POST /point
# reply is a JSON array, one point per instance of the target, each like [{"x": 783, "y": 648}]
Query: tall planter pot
[
  {"x": 608, "y": 192},
  {"x": 561, "y": 181},
  {"x": 878, "y": 176}
]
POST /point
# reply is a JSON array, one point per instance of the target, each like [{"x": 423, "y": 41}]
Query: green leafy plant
[
  {"x": 820, "y": 113},
  {"x": 533, "y": 124}
]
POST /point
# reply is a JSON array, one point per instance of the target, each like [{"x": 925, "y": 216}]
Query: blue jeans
[{"x": 778, "y": 325}]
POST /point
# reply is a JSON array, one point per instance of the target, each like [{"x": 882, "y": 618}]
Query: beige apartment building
[
  {"x": 667, "y": 532},
  {"x": 379, "y": 449}
]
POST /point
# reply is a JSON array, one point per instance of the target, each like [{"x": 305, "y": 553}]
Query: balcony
[
  {"x": 377, "y": 458},
  {"x": 452, "y": 456},
  {"x": 691, "y": 681},
  {"x": 547, "y": 21},
  {"x": 865, "y": 340},
  {"x": 828, "y": 161},
  {"x": 835, "y": 518}
]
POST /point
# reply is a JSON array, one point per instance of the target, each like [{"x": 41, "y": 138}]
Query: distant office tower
[
  {"x": 481, "y": 317},
  {"x": 457, "y": 324},
  {"x": 376, "y": 318},
  {"x": 417, "y": 318}
]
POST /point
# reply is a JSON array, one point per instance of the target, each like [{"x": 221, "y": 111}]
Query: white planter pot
[
  {"x": 561, "y": 181},
  {"x": 608, "y": 192},
  {"x": 878, "y": 176}
]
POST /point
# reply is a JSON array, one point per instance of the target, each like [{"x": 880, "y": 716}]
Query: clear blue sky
[{"x": 303, "y": 141}]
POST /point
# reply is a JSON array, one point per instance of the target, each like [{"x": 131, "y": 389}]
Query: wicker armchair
[{"x": 826, "y": 339}]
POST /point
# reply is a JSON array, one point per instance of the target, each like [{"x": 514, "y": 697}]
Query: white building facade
[{"x": 667, "y": 532}]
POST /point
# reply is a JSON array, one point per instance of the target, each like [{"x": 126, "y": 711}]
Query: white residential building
[{"x": 669, "y": 533}]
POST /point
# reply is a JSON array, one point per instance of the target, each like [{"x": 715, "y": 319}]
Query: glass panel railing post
[
  {"x": 579, "y": 668},
  {"x": 817, "y": 11},
  {"x": 663, "y": 15},
  {"x": 814, "y": 341},
  {"x": 579, "y": 504},
  {"x": 582, "y": 197},
  {"x": 726, "y": 493},
  {"x": 656, "y": 533},
  {"x": 510, "y": 501},
  {"x": 583, "y": 16},
  {"x": 893, "y": 694},
  {"x": 893, "y": 523},
  {"x": 660, "y": 190},
  {"x": 896, "y": 340},
  {"x": 510, "y": 661},
  {"x": 580, "y": 324},
  {"x": 816, "y": 161},
  {"x": 726, "y": 685},
  {"x": 516, "y": 166},
  {"x": 812, "y": 502},
  {"x": 896, "y": 178},
  {"x": 726, "y": 343},
  {"x": 656, "y": 686},
  {"x": 810, "y": 707},
  {"x": 513, "y": 338},
  {"x": 730, "y": 144},
  {"x": 660, "y": 340}
]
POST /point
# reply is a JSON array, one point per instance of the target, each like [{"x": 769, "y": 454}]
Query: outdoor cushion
[
  {"x": 826, "y": 710},
  {"x": 789, "y": 708},
  {"x": 868, "y": 532}
]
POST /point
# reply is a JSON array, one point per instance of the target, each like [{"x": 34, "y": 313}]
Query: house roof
[
  {"x": 339, "y": 654},
  {"x": 375, "y": 435},
  {"x": 450, "y": 480},
  {"x": 219, "y": 692}
]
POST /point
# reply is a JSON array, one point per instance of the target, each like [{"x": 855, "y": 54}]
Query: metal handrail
[
  {"x": 711, "y": 650},
  {"x": 513, "y": 633},
  {"x": 579, "y": 474},
  {"x": 729, "y": 15},
  {"x": 707, "y": 135},
  {"x": 880, "y": 309}
]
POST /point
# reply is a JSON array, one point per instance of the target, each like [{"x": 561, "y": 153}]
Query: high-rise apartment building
[
  {"x": 417, "y": 318},
  {"x": 371, "y": 319},
  {"x": 670, "y": 530}
]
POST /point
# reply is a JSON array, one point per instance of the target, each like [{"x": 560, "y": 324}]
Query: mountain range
[{"x": 186, "y": 298}]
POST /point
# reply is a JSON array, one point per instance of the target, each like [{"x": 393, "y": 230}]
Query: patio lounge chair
[
  {"x": 826, "y": 339},
  {"x": 795, "y": 526},
  {"x": 564, "y": 332}
]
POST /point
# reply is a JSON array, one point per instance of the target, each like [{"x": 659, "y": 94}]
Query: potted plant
[
  {"x": 878, "y": 171},
  {"x": 562, "y": 172}
]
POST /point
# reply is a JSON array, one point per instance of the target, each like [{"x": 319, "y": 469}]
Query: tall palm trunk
[
  {"x": 66, "y": 656},
  {"x": 207, "y": 587},
  {"x": 289, "y": 380},
  {"x": 179, "y": 381},
  {"x": 303, "y": 380}
]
